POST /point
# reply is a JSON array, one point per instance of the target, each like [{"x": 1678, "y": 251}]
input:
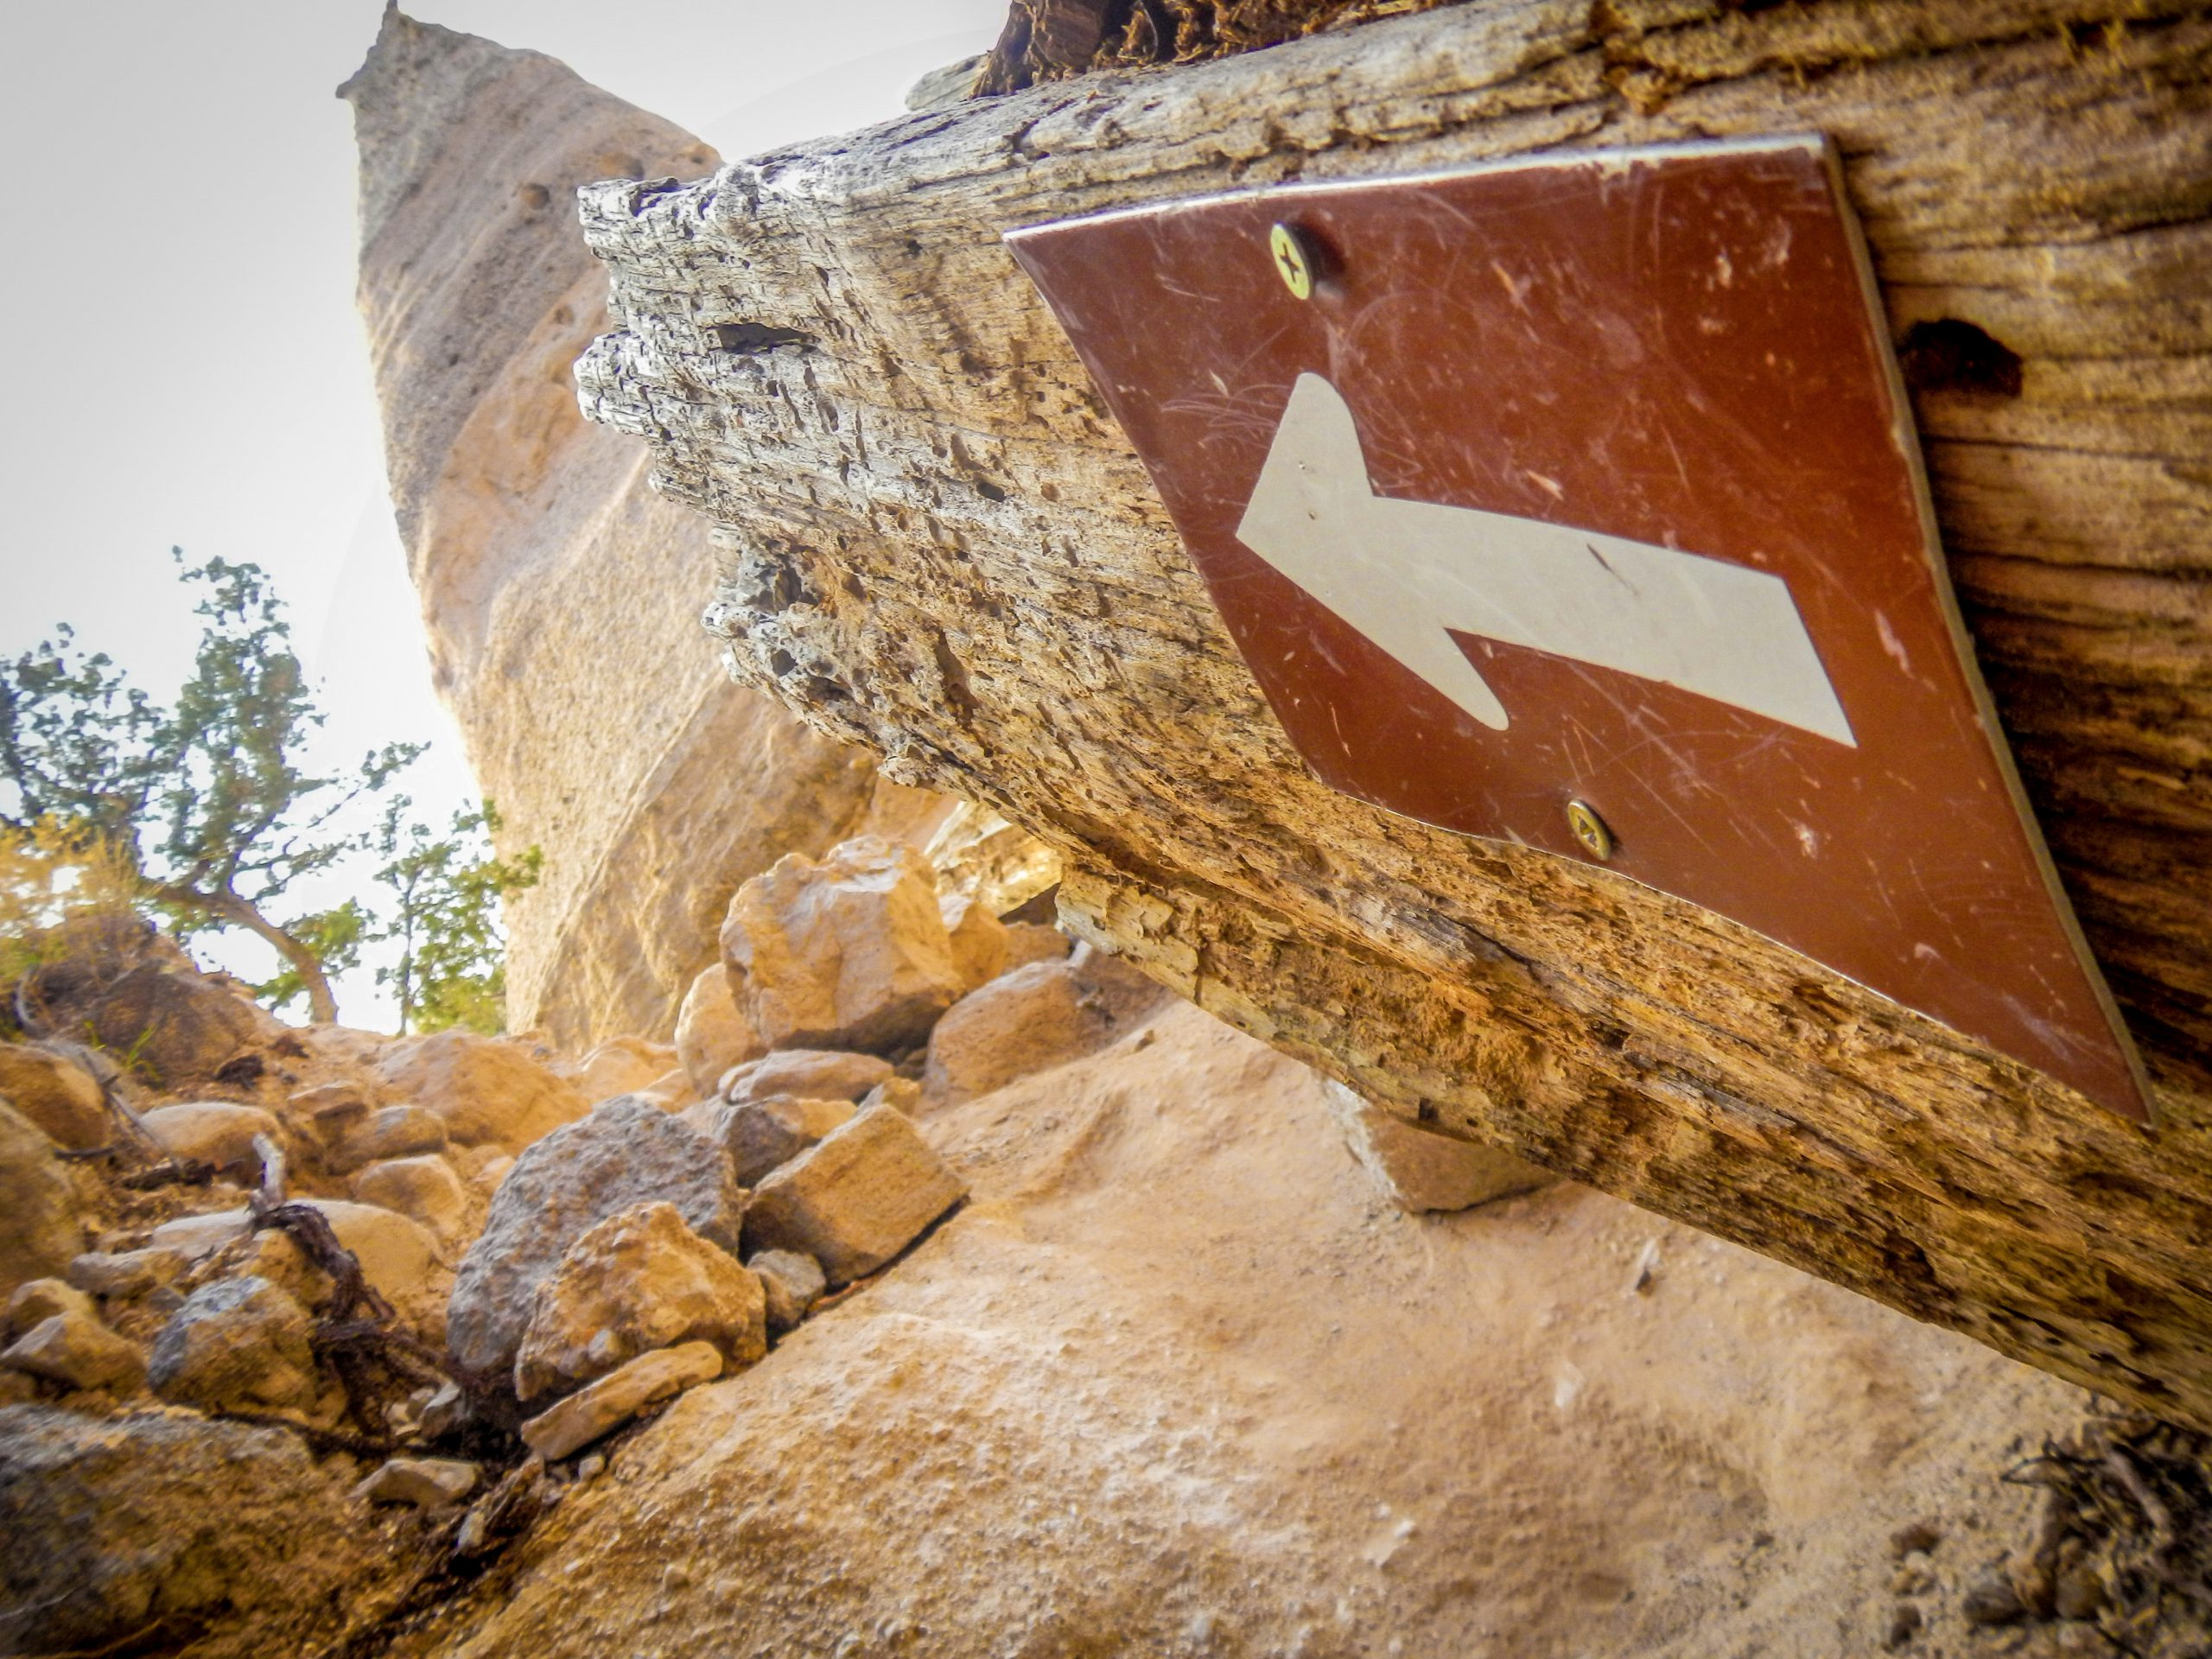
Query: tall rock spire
[{"x": 558, "y": 594}]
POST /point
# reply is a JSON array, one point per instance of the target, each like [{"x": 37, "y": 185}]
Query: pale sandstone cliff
[{"x": 561, "y": 597}]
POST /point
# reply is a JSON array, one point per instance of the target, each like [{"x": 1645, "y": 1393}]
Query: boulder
[
  {"x": 599, "y": 1409},
  {"x": 238, "y": 1345},
  {"x": 195, "y": 1238},
  {"x": 712, "y": 1032},
  {"x": 486, "y": 1090},
  {"x": 847, "y": 952},
  {"x": 37, "y": 1301},
  {"x": 163, "y": 1522},
  {"x": 214, "y": 1132},
  {"x": 620, "y": 1066},
  {"x": 62, "y": 1098},
  {"x": 402, "y": 1131},
  {"x": 809, "y": 1073},
  {"x": 635, "y": 1282},
  {"x": 760, "y": 1134},
  {"x": 399, "y": 1257},
  {"x": 75, "y": 1349},
  {"x": 672, "y": 1091},
  {"x": 978, "y": 940},
  {"x": 124, "y": 1275},
  {"x": 856, "y": 1198},
  {"x": 1028, "y": 941},
  {"x": 174, "y": 1027},
  {"x": 1033, "y": 1018},
  {"x": 792, "y": 1283},
  {"x": 423, "y": 1483},
  {"x": 39, "y": 1232},
  {"x": 425, "y": 1189},
  {"x": 626, "y": 1154},
  {"x": 1419, "y": 1170}
]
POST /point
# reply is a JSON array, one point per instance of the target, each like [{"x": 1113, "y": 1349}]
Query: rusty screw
[
  {"x": 1294, "y": 260},
  {"x": 1590, "y": 830}
]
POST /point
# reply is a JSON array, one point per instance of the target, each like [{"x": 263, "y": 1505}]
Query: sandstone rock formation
[
  {"x": 936, "y": 543},
  {"x": 563, "y": 633}
]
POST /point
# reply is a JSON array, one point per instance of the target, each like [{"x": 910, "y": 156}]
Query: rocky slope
[
  {"x": 1068, "y": 1322},
  {"x": 560, "y": 594}
]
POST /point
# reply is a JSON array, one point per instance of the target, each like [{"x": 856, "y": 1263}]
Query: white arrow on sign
[{"x": 1401, "y": 572}]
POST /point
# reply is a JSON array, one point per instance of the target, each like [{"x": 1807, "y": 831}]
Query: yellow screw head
[
  {"x": 1292, "y": 264},
  {"x": 1590, "y": 830}
]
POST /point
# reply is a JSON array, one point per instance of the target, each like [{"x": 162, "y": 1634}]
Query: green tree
[
  {"x": 445, "y": 917},
  {"x": 203, "y": 803}
]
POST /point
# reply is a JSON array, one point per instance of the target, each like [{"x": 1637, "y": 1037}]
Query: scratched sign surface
[{"x": 1589, "y": 479}]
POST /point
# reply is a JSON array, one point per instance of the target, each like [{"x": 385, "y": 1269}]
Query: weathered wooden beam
[{"x": 934, "y": 542}]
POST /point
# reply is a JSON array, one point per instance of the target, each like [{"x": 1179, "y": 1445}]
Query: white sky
[{"x": 188, "y": 367}]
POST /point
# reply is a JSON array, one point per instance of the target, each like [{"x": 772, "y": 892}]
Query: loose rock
[
  {"x": 425, "y": 1189},
  {"x": 38, "y": 1301},
  {"x": 177, "y": 1026},
  {"x": 978, "y": 940},
  {"x": 760, "y": 1134},
  {"x": 213, "y": 1132},
  {"x": 1028, "y": 941},
  {"x": 404, "y": 1131},
  {"x": 168, "y": 1521},
  {"x": 626, "y": 1154},
  {"x": 238, "y": 1345},
  {"x": 856, "y": 1199},
  {"x": 127, "y": 1274},
  {"x": 808, "y": 1074},
  {"x": 600, "y": 1408},
  {"x": 792, "y": 1283},
  {"x": 635, "y": 1282},
  {"x": 712, "y": 1032},
  {"x": 622, "y": 1066},
  {"x": 39, "y": 1232},
  {"x": 62, "y": 1098},
  {"x": 1419, "y": 1170},
  {"x": 486, "y": 1090},
  {"x": 75, "y": 1349},
  {"x": 195, "y": 1237},
  {"x": 1030, "y": 1020},
  {"x": 1990, "y": 1599},
  {"x": 425, "y": 1482},
  {"x": 850, "y": 952}
]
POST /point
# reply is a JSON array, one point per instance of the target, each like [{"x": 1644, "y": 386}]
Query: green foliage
[
  {"x": 202, "y": 812},
  {"x": 333, "y": 938},
  {"x": 446, "y": 890}
]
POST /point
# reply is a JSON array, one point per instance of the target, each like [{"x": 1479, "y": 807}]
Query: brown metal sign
[{"x": 1576, "y": 502}]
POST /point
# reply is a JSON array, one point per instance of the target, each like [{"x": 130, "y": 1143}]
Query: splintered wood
[{"x": 934, "y": 542}]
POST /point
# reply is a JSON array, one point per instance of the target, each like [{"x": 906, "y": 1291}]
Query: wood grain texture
[{"x": 932, "y": 541}]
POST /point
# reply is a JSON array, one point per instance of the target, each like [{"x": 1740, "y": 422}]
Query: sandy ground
[{"x": 1177, "y": 1381}]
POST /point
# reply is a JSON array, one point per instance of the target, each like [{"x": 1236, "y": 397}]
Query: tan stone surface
[
  {"x": 635, "y": 1282},
  {"x": 935, "y": 542},
  {"x": 849, "y": 951},
  {"x": 486, "y": 1090},
  {"x": 1177, "y": 1368},
  {"x": 712, "y": 1032},
  {"x": 1419, "y": 1170},
  {"x": 600, "y": 1408},
  {"x": 564, "y": 632},
  {"x": 62, "y": 1097},
  {"x": 855, "y": 1198}
]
